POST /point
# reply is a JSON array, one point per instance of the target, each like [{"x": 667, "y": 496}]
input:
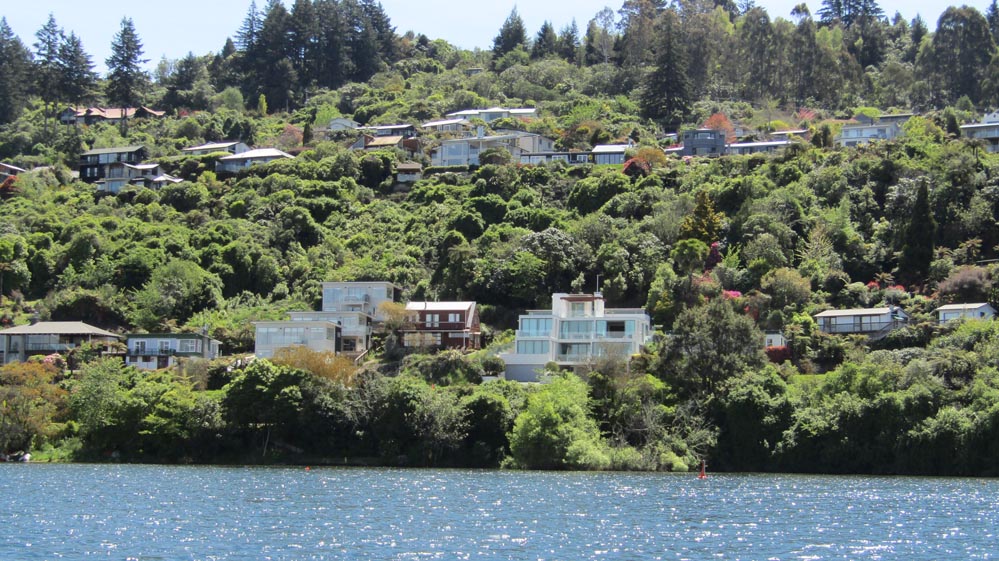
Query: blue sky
[{"x": 173, "y": 28}]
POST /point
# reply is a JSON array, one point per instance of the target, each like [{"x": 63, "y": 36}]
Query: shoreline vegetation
[{"x": 723, "y": 252}]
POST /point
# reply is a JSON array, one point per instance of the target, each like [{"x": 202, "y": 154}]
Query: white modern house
[
  {"x": 465, "y": 151},
  {"x": 238, "y": 162},
  {"x": 609, "y": 153},
  {"x": 320, "y": 336},
  {"x": 577, "y": 331},
  {"x": 954, "y": 312},
  {"x": 233, "y": 147},
  {"x": 457, "y": 126},
  {"x": 353, "y": 308},
  {"x": 886, "y": 127},
  {"x": 864, "y": 321},
  {"x": 152, "y": 351},
  {"x": 743, "y": 148}
]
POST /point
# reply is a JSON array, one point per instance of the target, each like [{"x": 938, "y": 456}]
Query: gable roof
[
  {"x": 609, "y": 148},
  {"x": 211, "y": 146},
  {"x": 857, "y": 312},
  {"x": 379, "y": 141},
  {"x": 59, "y": 328}
]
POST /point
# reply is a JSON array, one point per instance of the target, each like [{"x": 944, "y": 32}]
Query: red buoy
[{"x": 702, "y": 475}]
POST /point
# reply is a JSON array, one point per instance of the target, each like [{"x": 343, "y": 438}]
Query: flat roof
[
  {"x": 610, "y": 148},
  {"x": 258, "y": 153},
  {"x": 115, "y": 150},
  {"x": 438, "y": 306},
  {"x": 854, "y": 312},
  {"x": 210, "y": 146},
  {"x": 960, "y": 307}
]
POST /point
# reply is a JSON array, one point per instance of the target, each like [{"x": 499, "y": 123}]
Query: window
[
  {"x": 140, "y": 346},
  {"x": 432, "y": 320},
  {"x": 164, "y": 346},
  {"x": 577, "y": 309},
  {"x": 188, "y": 345},
  {"x": 454, "y": 318},
  {"x": 535, "y": 327},
  {"x": 532, "y": 347}
]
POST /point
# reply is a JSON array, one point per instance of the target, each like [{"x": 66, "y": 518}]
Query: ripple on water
[{"x": 224, "y": 513}]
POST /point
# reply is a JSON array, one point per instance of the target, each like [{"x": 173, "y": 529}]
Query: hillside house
[
  {"x": 342, "y": 124},
  {"x": 442, "y": 325},
  {"x": 239, "y": 162},
  {"x": 121, "y": 175},
  {"x": 107, "y": 163},
  {"x": 465, "y": 151},
  {"x": 404, "y": 130},
  {"x": 91, "y": 115},
  {"x": 610, "y": 153},
  {"x": 152, "y": 351},
  {"x": 571, "y": 158},
  {"x": 319, "y": 336},
  {"x": 886, "y": 127},
  {"x": 233, "y": 147},
  {"x": 19, "y": 343},
  {"x": 703, "y": 142},
  {"x": 408, "y": 172},
  {"x": 766, "y": 147},
  {"x": 955, "y": 312},
  {"x": 457, "y": 127},
  {"x": 8, "y": 170},
  {"x": 873, "y": 322},
  {"x": 577, "y": 331}
]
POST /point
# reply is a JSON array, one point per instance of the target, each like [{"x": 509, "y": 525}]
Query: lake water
[{"x": 214, "y": 513}]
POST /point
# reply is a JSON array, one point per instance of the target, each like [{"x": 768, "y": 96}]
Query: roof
[
  {"x": 142, "y": 166},
  {"x": 114, "y": 150},
  {"x": 761, "y": 144},
  {"x": 787, "y": 132},
  {"x": 259, "y": 153},
  {"x": 58, "y": 328},
  {"x": 855, "y": 312},
  {"x": 979, "y": 125},
  {"x": 438, "y": 306},
  {"x": 383, "y": 141},
  {"x": 609, "y": 148},
  {"x": 8, "y": 166},
  {"x": 409, "y": 166},
  {"x": 387, "y": 127},
  {"x": 961, "y": 307},
  {"x": 211, "y": 146},
  {"x": 443, "y": 122},
  {"x": 165, "y": 178},
  {"x": 170, "y": 336}
]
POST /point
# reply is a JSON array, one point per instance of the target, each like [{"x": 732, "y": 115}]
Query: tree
[
  {"x": 78, "y": 80},
  {"x": 511, "y": 35},
  {"x": 960, "y": 52},
  {"x": 46, "y": 71},
  {"x": 709, "y": 345},
  {"x": 126, "y": 80},
  {"x": 638, "y": 23},
  {"x": 665, "y": 95},
  {"x": 568, "y": 42},
  {"x": 992, "y": 17},
  {"x": 703, "y": 223},
  {"x": 546, "y": 42},
  {"x": 15, "y": 67},
  {"x": 917, "y": 239}
]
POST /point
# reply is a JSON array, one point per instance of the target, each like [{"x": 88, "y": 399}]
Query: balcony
[
  {"x": 153, "y": 352},
  {"x": 572, "y": 357},
  {"x": 522, "y": 334},
  {"x": 436, "y": 326}
]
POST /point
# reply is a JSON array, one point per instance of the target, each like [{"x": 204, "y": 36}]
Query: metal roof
[
  {"x": 961, "y": 307},
  {"x": 211, "y": 146},
  {"x": 115, "y": 150},
  {"x": 854, "y": 312},
  {"x": 58, "y": 328},
  {"x": 258, "y": 153}
]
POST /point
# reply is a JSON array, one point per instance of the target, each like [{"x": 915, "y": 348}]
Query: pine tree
[
  {"x": 15, "y": 67},
  {"x": 78, "y": 80},
  {"x": 333, "y": 65},
  {"x": 249, "y": 32},
  {"x": 46, "y": 67},
  {"x": 546, "y": 42},
  {"x": 917, "y": 239},
  {"x": 511, "y": 35},
  {"x": 992, "y": 16},
  {"x": 568, "y": 42},
  {"x": 126, "y": 79},
  {"x": 665, "y": 95},
  {"x": 384, "y": 31}
]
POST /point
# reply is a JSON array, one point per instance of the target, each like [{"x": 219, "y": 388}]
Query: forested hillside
[{"x": 716, "y": 250}]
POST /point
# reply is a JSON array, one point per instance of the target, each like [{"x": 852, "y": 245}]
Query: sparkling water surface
[{"x": 215, "y": 513}]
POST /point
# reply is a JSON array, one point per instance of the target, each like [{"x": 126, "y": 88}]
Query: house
[
  {"x": 405, "y": 130},
  {"x": 874, "y": 322},
  {"x": 91, "y": 115},
  {"x": 7, "y": 170},
  {"x": 571, "y": 158},
  {"x": 495, "y": 113},
  {"x": 609, "y": 153},
  {"x": 886, "y": 127},
  {"x": 48, "y": 337},
  {"x": 101, "y": 163},
  {"x": 952, "y": 312},
  {"x": 410, "y": 145},
  {"x": 238, "y": 162},
  {"x": 408, "y": 172},
  {"x": 146, "y": 175},
  {"x": 774, "y": 339},
  {"x": 357, "y": 307},
  {"x": 442, "y": 325},
  {"x": 342, "y": 124},
  {"x": 767, "y": 147},
  {"x": 465, "y": 151},
  {"x": 233, "y": 147},
  {"x": 703, "y": 142},
  {"x": 578, "y": 330},
  {"x": 987, "y": 130},
  {"x": 789, "y": 134},
  {"x": 320, "y": 336},
  {"x": 152, "y": 351},
  {"x": 457, "y": 126}
]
